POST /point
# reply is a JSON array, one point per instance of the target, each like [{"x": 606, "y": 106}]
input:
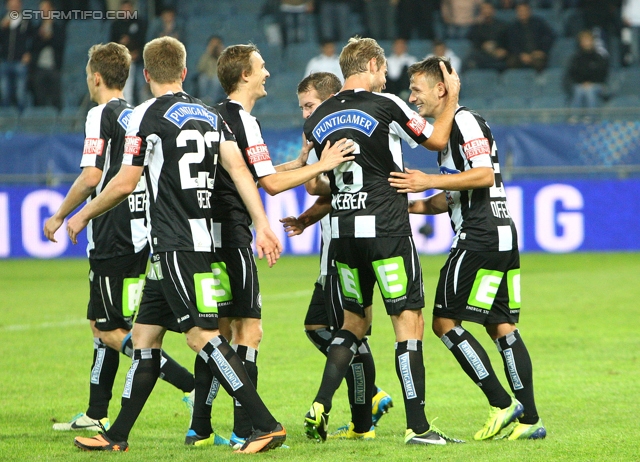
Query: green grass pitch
[{"x": 579, "y": 320}]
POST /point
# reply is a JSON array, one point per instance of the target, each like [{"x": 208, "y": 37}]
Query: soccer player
[
  {"x": 242, "y": 74},
  {"x": 324, "y": 318},
  {"x": 118, "y": 250},
  {"x": 177, "y": 141},
  {"x": 371, "y": 237},
  {"x": 480, "y": 281}
]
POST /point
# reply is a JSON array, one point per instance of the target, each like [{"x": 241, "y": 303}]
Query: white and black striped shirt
[
  {"x": 364, "y": 205},
  {"x": 122, "y": 230},
  {"x": 480, "y": 217},
  {"x": 176, "y": 137}
]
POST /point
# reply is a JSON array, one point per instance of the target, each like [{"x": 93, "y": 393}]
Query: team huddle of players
[{"x": 196, "y": 169}]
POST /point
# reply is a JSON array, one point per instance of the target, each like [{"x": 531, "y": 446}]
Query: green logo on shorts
[
  {"x": 349, "y": 282},
  {"x": 485, "y": 288},
  {"x": 391, "y": 275},
  {"x": 513, "y": 282},
  {"x": 131, "y": 295},
  {"x": 212, "y": 288}
]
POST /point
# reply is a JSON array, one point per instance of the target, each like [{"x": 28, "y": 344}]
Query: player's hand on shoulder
[
  {"x": 410, "y": 181},
  {"x": 339, "y": 152}
]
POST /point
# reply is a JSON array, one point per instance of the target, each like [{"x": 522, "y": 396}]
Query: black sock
[
  {"x": 476, "y": 364},
  {"x": 103, "y": 374},
  {"x": 170, "y": 371},
  {"x": 206, "y": 391},
  {"x": 321, "y": 338},
  {"x": 241, "y": 420},
  {"x": 519, "y": 371},
  {"x": 360, "y": 382},
  {"x": 141, "y": 378},
  {"x": 410, "y": 370},
  {"x": 229, "y": 370},
  {"x": 175, "y": 374},
  {"x": 343, "y": 347}
]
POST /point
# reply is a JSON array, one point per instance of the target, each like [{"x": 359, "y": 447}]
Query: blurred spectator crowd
[{"x": 559, "y": 53}]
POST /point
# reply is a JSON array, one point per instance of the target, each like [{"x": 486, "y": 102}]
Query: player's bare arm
[
  {"x": 266, "y": 241},
  {"x": 82, "y": 188},
  {"x": 443, "y": 123},
  {"x": 411, "y": 181},
  {"x": 294, "y": 226},
  {"x": 118, "y": 189},
  {"x": 318, "y": 186},
  {"x": 331, "y": 158},
  {"x": 432, "y": 205},
  {"x": 301, "y": 161}
]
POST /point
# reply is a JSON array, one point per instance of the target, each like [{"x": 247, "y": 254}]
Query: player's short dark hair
[
  {"x": 430, "y": 67},
  {"x": 233, "y": 61},
  {"x": 325, "y": 83},
  {"x": 111, "y": 61},
  {"x": 357, "y": 53},
  {"x": 164, "y": 59}
]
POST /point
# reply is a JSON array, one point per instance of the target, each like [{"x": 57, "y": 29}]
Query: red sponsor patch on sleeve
[
  {"x": 476, "y": 147},
  {"x": 257, "y": 153},
  {"x": 93, "y": 146},
  {"x": 416, "y": 124},
  {"x": 132, "y": 145}
]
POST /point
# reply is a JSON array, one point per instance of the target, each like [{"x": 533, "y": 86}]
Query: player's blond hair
[
  {"x": 164, "y": 59},
  {"x": 111, "y": 61},
  {"x": 357, "y": 53},
  {"x": 232, "y": 63}
]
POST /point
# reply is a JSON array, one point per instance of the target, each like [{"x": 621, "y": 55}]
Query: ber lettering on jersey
[
  {"x": 257, "y": 153},
  {"x": 476, "y": 147},
  {"x": 416, "y": 124},
  {"x": 93, "y": 146},
  {"x": 132, "y": 145}
]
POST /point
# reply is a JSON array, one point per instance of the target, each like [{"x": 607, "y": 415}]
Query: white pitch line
[{"x": 43, "y": 325}]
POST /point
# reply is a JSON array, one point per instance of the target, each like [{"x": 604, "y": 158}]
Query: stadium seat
[
  {"x": 477, "y": 104},
  {"x": 548, "y": 102},
  {"x": 561, "y": 52},
  {"x": 479, "y": 83},
  {"x": 297, "y": 55},
  {"x": 419, "y": 48},
  {"x": 625, "y": 81},
  {"x": 624, "y": 101},
  {"x": 517, "y": 82},
  {"x": 550, "y": 82},
  {"x": 38, "y": 119},
  {"x": 460, "y": 47},
  {"x": 511, "y": 102}
]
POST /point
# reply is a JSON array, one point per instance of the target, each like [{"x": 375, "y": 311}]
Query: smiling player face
[
  {"x": 426, "y": 95},
  {"x": 258, "y": 77}
]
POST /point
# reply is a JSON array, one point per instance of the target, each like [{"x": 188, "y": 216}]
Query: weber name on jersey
[
  {"x": 231, "y": 219},
  {"x": 177, "y": 138},
  {"x": 364, "y": 204},
  {"x": 122, "y": 230},
  {"x": 480, "y": 218}
]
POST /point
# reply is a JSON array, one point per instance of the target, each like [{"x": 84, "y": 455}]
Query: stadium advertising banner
[{"x": 559, "y": 216}]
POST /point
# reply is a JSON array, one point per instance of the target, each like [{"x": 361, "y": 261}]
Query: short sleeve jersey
[
  {"x": 231, "y": 219},
  {"x": 364, "y": 205},
  {"x": 122, "y": 230},
  {"x": 479, "y": 217},
  {"x": 177, "y": 139}
]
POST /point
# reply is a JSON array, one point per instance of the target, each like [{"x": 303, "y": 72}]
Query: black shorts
[
  {"x": 391, "y": 262},
  {"x": 236, "y": 270},
  {"x": 189, "y": 287},
  {"x": 154, "y": 308},
  {"x": 115, "y": 286},
  {"x": 482, "y": 287}
]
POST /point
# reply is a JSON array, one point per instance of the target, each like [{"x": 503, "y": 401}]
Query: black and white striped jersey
[
  {"x": 122, "y": 230},
  {"x": 364, "y": 205},
  {"x": 231, "y": 219},
  {"x": 479, "y": 217},
  {"x": 177, "y": 139}
]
